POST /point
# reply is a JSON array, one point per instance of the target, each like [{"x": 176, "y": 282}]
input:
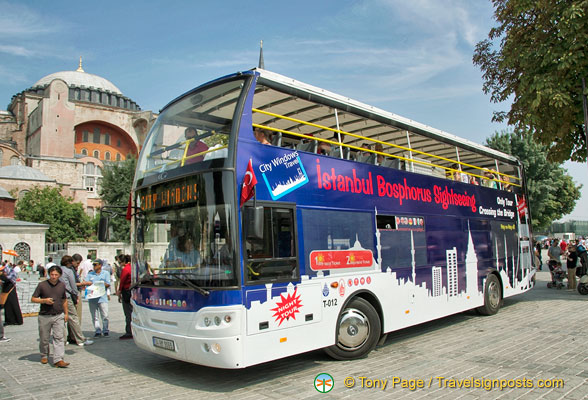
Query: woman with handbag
[{"x": 12, "y": 314}]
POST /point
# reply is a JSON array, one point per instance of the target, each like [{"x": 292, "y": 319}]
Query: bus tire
[
  {"x": 492, "y": 296},
  {"x": 358, "y": 331}
]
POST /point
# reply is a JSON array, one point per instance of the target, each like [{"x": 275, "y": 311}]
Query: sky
[{"x": 412, "y": 58}]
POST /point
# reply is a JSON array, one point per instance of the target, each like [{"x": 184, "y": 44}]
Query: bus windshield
[
  {"x": 192, "y": 133},
  {"x": 184, "y": 233}
]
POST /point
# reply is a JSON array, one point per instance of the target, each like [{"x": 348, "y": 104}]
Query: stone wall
[{"x": 24, "y": 290}]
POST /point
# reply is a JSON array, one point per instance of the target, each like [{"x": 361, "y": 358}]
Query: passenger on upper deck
[
  {"x": 506, "y": 186},
  {"x": 195, "y": 146},
  {"x": 457, "y": 175},
  {"x": 324, "y": 148},
  {"x": 490, "y": 182},
  {"x": 379, "y": 157},
  {"x": 261, "y": 135}
]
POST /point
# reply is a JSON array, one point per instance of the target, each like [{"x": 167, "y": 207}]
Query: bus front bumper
[{"x": 220, "y": 348}]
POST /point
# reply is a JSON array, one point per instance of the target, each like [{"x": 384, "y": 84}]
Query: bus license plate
[{"x": 164, "y": 344}]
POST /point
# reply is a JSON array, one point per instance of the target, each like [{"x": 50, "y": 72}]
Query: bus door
[{"x": 270, "y": 261}]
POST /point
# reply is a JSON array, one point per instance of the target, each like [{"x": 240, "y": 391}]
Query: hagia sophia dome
[{"x": 80, "y": 78}]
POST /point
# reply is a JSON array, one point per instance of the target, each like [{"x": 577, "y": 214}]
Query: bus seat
[
  {"x": 308, "y": 146},
  {"x": 369, "y": 158},
  {"x": 277, "y": 139},
  {"x": 336, "y": 152},
  {"x": 391, "y": 163}
]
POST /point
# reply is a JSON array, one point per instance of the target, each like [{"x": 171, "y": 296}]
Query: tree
[
  {"x": 67, "y": 220},
  {"x": 115, "y": 189},
  {"x": 552, "y": 192},
  {"x": 540, "y": 65}
]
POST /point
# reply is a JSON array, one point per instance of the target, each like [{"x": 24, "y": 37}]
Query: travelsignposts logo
[{"x": 324, "y": 383}]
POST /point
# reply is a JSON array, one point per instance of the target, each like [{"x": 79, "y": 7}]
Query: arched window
[
  {"x": 117, "y": 156},
  {"x": 1, "y": 155},
  {"x": 22, "y": 194},
  {"x": 107, "y": 156},
  {"x": 90, "y": 168},
  {"x": 14, "y": 160},
  {"x": 96, "y": 154},
  {"x": 23, "y": 250},
  {"x": 85, "y": 152}
]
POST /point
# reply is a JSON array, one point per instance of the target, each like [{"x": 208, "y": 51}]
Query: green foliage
[
  {"x": 67, "y": 220},
  {"x": 539, "y": 66},
  {"x": 115, "y": 189},
  {"x": 552, "y": 192}
]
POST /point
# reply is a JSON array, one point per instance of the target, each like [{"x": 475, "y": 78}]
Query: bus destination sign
[{"x": 169, "y": 195}]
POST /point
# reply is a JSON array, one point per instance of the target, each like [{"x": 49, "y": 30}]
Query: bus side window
[{"x": 273, "y": 256}]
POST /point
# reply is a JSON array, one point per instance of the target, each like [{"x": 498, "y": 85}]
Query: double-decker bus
[{"x": 271, "y": 217}]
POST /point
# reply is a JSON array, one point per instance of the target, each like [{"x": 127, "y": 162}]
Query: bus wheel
[
  {"x": 358, "y": 331},
  {"x": 492, "y": 296}
]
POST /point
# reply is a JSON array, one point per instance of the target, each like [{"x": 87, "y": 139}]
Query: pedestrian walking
[
  {"x": 81, "y": 284},
  {"x": 3, "y": 278},
  {"x": 52, "y": 316},
  {"x": 124, "y": 295},
  {"x": 572, "y": 263},
  {"x": 12, "y": 313},
  {"x": 71, "y": 289},
  {"x": 99, "y": 304}
]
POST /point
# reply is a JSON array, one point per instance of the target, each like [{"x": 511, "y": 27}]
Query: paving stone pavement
[{"x": 541, "y": 334}]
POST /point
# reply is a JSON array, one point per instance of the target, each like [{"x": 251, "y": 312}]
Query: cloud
[
  {"x": 18, "y": 21},
  {"x": 16, "y": 50}
]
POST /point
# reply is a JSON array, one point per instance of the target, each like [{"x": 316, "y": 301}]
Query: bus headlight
[
  {"x": 207, "y": 321},
  {"x": 228, "y": 319},
  {"x": 217, "y": 320},
  {"x": 216, "y": 348}
]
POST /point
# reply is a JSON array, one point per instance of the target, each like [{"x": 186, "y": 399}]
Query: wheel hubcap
[
  {"x": 493, "y": 294},
  {"x": 354, "y": 329}
]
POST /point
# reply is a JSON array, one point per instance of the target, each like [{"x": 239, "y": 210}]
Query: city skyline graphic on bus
[
  {"x": 449, "y": 286},
  {"x": 283, "y": 174}
]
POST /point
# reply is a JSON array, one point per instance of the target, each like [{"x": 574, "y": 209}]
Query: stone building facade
[{"x": 67, "y": 126}]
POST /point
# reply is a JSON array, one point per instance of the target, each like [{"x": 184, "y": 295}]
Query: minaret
[
  {"x": 261, "y": 63},
  {"x": 506, "y": 260},
  {"x": 378, "y": 242},
  {"x": 471, "y": 267},
  {"x": 80, "y": 69}
]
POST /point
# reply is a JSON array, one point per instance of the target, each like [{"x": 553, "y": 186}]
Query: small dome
[
  {"x": 79, "y": 78},
  {"x": 4, "y": 194},
  {"x": 22, "y": 172}
]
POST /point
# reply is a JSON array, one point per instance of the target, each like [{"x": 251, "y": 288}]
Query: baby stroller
[{"x": 557, "y": 275}]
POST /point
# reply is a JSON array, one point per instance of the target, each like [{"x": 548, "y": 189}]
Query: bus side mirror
[
  {"x": 253, "y": 217},
  {"x": 103, "y": 226}
]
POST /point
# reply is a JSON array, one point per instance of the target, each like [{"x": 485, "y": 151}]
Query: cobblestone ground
[{"x": 540, "y": 335}]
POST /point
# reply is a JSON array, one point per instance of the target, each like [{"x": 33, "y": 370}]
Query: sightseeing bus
[{"x": 271, "y": 218}]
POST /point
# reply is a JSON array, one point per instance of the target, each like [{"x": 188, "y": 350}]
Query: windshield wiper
[
  {"x": 191, "y": 285},
  {"x": 170, "y": 277}
]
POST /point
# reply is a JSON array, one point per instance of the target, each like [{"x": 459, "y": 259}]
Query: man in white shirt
[
  {"x": 85, "y": 267},
  {"x": 49, "y": 264}
]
